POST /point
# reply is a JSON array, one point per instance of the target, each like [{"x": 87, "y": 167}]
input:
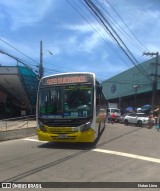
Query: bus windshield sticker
[
  {"x": 74, "y": 114},
  {"x": 84, "y": 113},
  {"x": 67, "y": 114},
  {"x": 51, "y": 116},
  {"x": 80, "y": 113}
]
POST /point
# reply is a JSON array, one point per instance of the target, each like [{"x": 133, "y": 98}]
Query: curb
[{"x": 17, "y": 133}]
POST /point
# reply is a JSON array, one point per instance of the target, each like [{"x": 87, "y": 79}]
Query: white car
[
  {"x": 121, "y": 119},
  {"x": 138, "y": 119}
]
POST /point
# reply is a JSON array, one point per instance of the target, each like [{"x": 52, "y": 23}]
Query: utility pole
[
  {"x": 41, "y": 69},
  {"x": 155, "y": 75},
  {"x": 135, "y": 95}
]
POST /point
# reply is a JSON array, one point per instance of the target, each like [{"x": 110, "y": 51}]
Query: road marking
[
  {"x": 128, "y": 155},
  {"x": 140, "y": 157},
  {"x": 35, "y": 140}
]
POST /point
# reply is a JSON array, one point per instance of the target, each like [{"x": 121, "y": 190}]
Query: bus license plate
[{"x": 62, "y": 136}]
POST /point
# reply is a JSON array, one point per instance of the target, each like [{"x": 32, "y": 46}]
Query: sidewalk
[
  {"x": 18, "y": 124},
  {"x": 17, "y": 129}
]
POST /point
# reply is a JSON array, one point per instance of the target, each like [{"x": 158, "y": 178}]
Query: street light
[
  {"x": 41, "y": 69},
  {"x": 49, "y": 52}
]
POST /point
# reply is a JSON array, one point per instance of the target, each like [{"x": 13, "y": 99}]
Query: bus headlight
[
  {"x": 41, "y": 126},
  {"x": 85, "y": 127}
]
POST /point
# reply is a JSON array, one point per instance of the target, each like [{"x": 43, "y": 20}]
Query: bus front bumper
[{"x": 86, "y": 136}]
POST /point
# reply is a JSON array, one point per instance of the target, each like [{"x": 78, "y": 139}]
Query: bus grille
[
  {"x": 63, "y": 124},
  {"x": 61, "y": 132}
]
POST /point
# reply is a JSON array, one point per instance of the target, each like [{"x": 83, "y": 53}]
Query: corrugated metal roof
[{"x": 131, "y": 80}]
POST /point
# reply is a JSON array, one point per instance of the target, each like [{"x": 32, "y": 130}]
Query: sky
[{"x": 76, "y": 37}]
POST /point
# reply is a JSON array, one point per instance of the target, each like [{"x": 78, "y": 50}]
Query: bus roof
[{"x": 68, "y": 73}]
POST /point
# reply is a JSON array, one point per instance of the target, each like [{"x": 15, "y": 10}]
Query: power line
[
  {"x": 120, "y": 29},
  {"x": 94, "y": 27},
  {"x": 88, "y": 21},
  {"x": 21, "y": 60},
  {"x": 126, "y": 25},
  {"x": 18, "y": 51},
  {"x": 134, "y": 61},
  {"x": 15, "y": 58},
  {"x": 99, "y": 14},
  {"x": 54, "y": 70},
  {"x": 139, "y": 67}
]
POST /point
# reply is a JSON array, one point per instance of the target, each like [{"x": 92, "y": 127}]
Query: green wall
[{"x": 124, "y": 83}]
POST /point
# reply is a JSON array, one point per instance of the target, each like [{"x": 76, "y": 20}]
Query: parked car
[
  {"x": 138, "y": 119},
  {"x": 121, "y": 118}
]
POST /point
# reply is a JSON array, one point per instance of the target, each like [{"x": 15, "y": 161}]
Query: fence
[{"x": 18, "y": 123}]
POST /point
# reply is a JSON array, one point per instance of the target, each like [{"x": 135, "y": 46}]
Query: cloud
[
  {"x": 25, "y": 12},
  {"x": 74, "y": 42},
  {"x": 141, "y": 17},
  {"x": 90, "y": 43},
  {"x": 104, "y": 56},
  {"x": 80, "y": 44},
  {"x": 84, "y": 37},
  {"x": 82, "y": 28}
]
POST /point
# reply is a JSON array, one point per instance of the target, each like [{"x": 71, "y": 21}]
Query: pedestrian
[
  {"x": 113, "y": 116},
  {"x": 157, "y": 117},
  {"x": 151, "y": 120}
]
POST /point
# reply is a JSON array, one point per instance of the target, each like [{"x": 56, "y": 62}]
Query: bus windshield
[{"x": 70, "y": 101}]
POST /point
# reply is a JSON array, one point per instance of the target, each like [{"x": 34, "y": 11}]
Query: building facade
[
  {"x": 18, "y": 91},
  {"x": 134, "y": 87}
]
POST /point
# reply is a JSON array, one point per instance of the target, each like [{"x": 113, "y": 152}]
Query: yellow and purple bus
[{"x": 70, "y": 108}]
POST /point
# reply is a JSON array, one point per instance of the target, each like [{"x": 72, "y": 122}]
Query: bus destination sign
[{"x": 66, "y": 80}]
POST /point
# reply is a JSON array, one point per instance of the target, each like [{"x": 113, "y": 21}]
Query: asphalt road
[{"x": 122, "y": 154}]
